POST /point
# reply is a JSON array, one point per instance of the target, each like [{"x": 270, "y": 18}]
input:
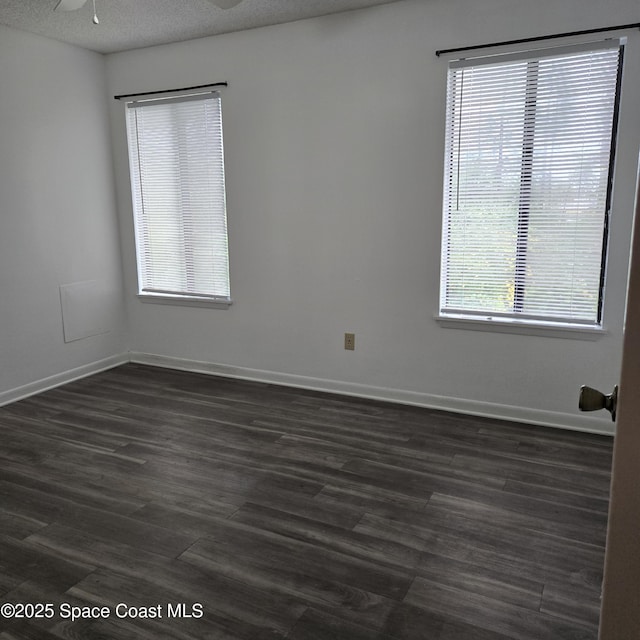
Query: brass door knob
[{"x": 594, "y": 400}]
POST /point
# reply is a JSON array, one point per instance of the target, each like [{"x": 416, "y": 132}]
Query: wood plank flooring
[{"x": 292, "y": 514}]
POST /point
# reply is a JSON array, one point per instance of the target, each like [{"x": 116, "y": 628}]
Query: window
[
  {"x": 177, "y": 182},
  {"x": 528, "y": 161}
]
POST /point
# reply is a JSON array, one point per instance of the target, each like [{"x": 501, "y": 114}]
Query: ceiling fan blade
[
  {"x": 69, "y": 5},
  {"x": 225, "y": 4}
]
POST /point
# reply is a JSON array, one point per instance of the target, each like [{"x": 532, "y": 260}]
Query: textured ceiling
[{"x": 130, "y": 24}]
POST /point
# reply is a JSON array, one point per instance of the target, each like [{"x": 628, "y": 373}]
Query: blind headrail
[
  {"x": 165, "y": 91},
  {"x": 567, "y": 34}
]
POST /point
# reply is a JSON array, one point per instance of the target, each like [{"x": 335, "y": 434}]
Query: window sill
[
  {"x": 184, "y": 301},
  {"x": 522, "y": 327}
]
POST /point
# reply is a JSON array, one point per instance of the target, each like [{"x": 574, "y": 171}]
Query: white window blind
[
  {"x": 528, "y": 157},
  {"x": 177, "y": 181}
]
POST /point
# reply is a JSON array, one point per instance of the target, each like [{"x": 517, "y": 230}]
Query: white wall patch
[{"x": 85, "y": 309}]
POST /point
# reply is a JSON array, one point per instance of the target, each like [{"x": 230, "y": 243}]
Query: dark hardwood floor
[{"x": 291, "y": 514}]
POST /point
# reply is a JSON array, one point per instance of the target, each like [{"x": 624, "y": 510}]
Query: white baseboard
[
  {"x": 30, "y": 389},
  {"x": 574, "y": 422}
]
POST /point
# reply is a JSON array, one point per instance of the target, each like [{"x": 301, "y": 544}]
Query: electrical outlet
[{"x": 350, "y": 341}]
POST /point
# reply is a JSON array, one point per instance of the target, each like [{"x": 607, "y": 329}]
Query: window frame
[
  {"x": 161, "y": 296},
  {"x": 513, "y": 322}
]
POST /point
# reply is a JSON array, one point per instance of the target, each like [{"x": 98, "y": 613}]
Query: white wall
[
  {"x": 58, "y": 224},
  {"x": 334, "y": 146}
]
